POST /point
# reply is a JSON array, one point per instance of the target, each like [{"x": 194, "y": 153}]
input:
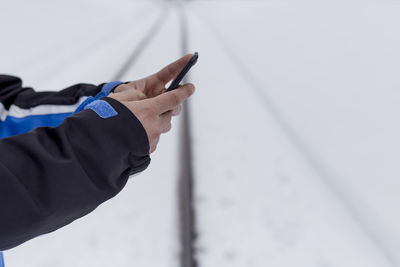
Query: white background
[{"x": 295, "y": 129}]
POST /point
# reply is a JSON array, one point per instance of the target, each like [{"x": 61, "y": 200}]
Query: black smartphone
[{"x": 181, "y": 75}]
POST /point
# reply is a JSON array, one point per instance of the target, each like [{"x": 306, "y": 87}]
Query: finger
[
  {"x": 136, "y": 85},
  {"x": 166, "y": 115},
  {"x": 154, "y": 144},
  {"x": 131, "y": 95},
  {"x": 165, "y": 120},
  {"x": 173, "y": 112},
  {"x": 167, "y": 127},
  {"x": 139, "y": 85},
  {"x": 121, "y": 87},
  {"x": 167, "y": 73},
  {"x": 116, "y": 93},
  {"x": 171, "y": 100},
  {"x": 176, "y": 111}
]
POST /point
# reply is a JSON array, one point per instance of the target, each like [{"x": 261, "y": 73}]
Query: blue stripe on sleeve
[
  {"x": 1, "y": 259},
  {"x": 13, "y": 126}
]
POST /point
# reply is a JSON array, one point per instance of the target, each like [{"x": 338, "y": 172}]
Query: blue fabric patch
[
  {"x": 13, "y": 126},
  {"x": 102, "y": 108},
  {"x": 105, "y": 91}
]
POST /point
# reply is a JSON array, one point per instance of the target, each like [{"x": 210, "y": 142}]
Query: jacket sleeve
[
  {"x": 23, "y": 109},
  {"x": 51, "y": 176},
  {"x": 13, "y": 93}
]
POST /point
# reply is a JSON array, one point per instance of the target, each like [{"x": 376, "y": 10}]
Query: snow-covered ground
[{"x": 295, "y": 129}]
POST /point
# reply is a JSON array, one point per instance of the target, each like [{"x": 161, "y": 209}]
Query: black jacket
[{"x": 52, "y": 175}]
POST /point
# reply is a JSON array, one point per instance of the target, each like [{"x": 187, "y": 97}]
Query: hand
[
  {"x": 155, "y": 113},
  {"x": 154, "y": 107},
  {"x": 152, "y": 85}
]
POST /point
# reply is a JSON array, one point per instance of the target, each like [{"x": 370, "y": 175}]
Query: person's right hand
[{"x": 155, "y": 113}]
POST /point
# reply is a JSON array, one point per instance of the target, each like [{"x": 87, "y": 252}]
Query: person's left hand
[{"x": 152, "y": 85}]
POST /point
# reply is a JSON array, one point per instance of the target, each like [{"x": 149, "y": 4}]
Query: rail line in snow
[
  {"x": 303, "y": 149},
  {"x": 142, "y": 44},
  {"x": 186, "y": 176},
  {"x": 185, "y": 180}
]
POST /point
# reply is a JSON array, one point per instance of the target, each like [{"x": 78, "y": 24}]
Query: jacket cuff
[
  {"x": 128, "y": 119},
  {"x": 121, "y": 138}
]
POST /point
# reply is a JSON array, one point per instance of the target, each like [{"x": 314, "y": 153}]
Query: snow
[
  {"x": 313, "y": 83},
  {"x": 294, "y": 120}
]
